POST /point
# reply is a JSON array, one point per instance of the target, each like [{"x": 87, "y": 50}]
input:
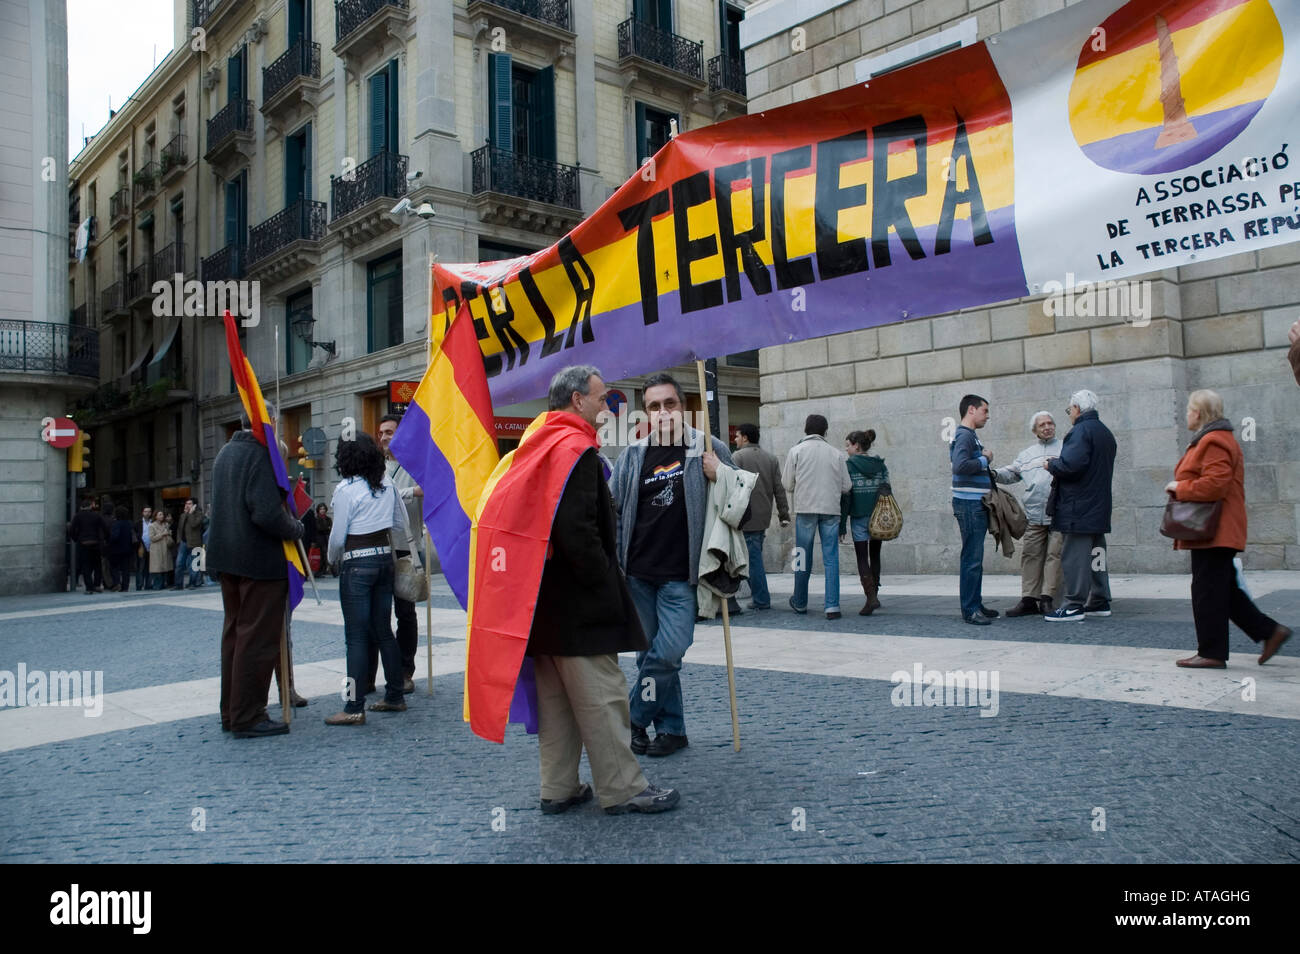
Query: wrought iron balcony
[
  {"x": 300, "y": 61},
  {"x": 234, "y": 120},
  {"x": 119, "y": 205},
  {"x": 175, "y": 157},
  {"x": 526, "y": 177},
  {"x": 203, "y": 11},
  {"x": 553, "y": 13},
  {"x": 111, "y": 301},
  {"x": 350, "y": 16},
  {"x": 225, "y": 265},
  {"x": 726, "y": 73},
  {"x": 303, "y": 220},
  {"x": 168, "y": 262},
  {"x": 146, "y": 181},
  {"x": 139, "y": 281},
  {"x": 381, "y": 176},
  {"x": 647, "y": 42},
  {"x": 42, "y": 346}
]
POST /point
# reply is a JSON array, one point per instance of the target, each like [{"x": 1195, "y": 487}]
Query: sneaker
[
  {"x": 1066, "y": 614},
  {"x": 1028, "y": 606},
  {"x": 346, "y": 718},
  {"x": 797, "y": 609},
  {"x": 666, "y": 743},
  {"x": 977, "y": 619},
  {"x": 557, "y": 806},
  {"x": 652, "y": 799},
  {"x": 640, "y": 739},
  {"x": 832, "y": 614},
  {"x": 1097, "y": 609}
]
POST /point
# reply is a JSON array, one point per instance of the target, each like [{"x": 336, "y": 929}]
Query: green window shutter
[
  {"x": 235, "y": 77},
  {"x": 378, "y": 112},
  {"x": 295, "y": 21},
  {"x": 292, "y": 169},
  {"x": 500, "y": 126},
  {"x": 232, "y": 212},
  {"x": 641, "y": 149},
  {"x": 542, "y": 136},
  {"x": 393, "y": 87},
  {"x": 665, "y": 18},
  {"x": 306, "y": 161}
]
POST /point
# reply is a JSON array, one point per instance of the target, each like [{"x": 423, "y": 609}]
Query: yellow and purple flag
[{"x": 250, "y": 394}]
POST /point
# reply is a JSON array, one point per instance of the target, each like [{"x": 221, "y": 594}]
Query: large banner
[{"x": 1108, "y": 140}]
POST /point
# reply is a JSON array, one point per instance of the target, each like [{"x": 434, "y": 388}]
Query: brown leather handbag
[{"x": 1194, "y": 521}]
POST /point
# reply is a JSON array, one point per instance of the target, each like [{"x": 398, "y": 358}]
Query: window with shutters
[
  {"x": 383, "y": 110},
  {"x": 521, "y": 107},
  {"x": 236, "y": 219},
  {"x": 653, "y": 130},
  {"x": 384, "y": 303},
  {"x": 297, "y": 166}
]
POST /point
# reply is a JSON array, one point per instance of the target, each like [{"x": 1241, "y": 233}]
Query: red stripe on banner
[
  {"x": 1134, "y": 25},
  {"x": 461, "y": 348}
]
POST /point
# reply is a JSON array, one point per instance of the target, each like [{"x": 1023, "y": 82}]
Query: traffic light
[
  {"x": 79, "y": 454},
  {"x": 303, "y": 460}
]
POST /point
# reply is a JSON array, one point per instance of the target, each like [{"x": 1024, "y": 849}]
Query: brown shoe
[
  {"x": 296, "y": 700},
  {"x": 1200, "y": 662},
  {"x": 346, "y": 718},
  {"x": 387, "y": 707},
  {"x": 1274, "y": 643}
]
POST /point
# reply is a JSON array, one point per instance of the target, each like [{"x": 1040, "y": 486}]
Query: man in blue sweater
[{"x": 971, "y": 483}]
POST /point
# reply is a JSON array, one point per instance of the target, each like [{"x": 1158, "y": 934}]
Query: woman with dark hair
[
  {"x": 121, "y": 549},
  {"x": 366, "y": 508},
  {"x": 868, "y": 473}
]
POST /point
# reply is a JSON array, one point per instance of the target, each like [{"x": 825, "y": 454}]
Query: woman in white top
[{"x": 366, "y": 508}]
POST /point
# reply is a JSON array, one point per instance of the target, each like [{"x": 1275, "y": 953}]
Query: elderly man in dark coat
[
  {"x": 249, "y": 522},
  {"x": 1080, "y": 506},
  {"x": 584, "y": 618}
]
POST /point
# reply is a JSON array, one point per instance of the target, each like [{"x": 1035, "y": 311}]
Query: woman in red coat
[{"x": 1212, "y": 468}]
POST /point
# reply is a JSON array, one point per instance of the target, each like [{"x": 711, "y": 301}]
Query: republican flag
[
  {"x": 250, "y": 394},
  {"x": 509, "y": 545},
  {"x": 447, "y": 442}
]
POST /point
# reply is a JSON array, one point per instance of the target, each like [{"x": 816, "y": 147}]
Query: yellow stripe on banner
[
  {"x": 1227, "y": 60},
  {"x": 455, "y": 427},
  {"x": 992, "y": 150}
]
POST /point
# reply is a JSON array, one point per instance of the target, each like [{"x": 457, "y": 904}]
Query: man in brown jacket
[{"x": 749, "y": 456}]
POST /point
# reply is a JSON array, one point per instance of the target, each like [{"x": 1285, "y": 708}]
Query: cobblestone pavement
[{"x": 830, "y": 768}]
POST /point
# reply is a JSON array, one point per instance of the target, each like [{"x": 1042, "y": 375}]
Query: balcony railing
[
  {"x": 382, "y": 175},
  {"x": 111, "y": 300},
  {"x": 554, "y": 12},
  {"x": 167, "y": 262},
  {"x": 119, "y": 204},
  {"x": 225, "y": 265},
  {"x": 201, "y": 10},
  {"x": 637, "y": 38},
  {"x": 726, "y": 73},
  {"x": 301, "y": 59},
  {"x": 236, "y": 116},
  {"x": 42, "y": 346},
  {"x": 146, "y": 181},
  {"x": 303, "y": 219},
  {"x": 139, "y": 280},
  {"x": 527, "y": 177},
  {"x": 174, "y": 155},
  {"x": 350, "y": 14}
]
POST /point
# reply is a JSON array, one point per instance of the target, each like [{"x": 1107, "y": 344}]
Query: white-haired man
[
  {"x": 1081, "y": 510},
  {"x": 1040, "y": 555}
]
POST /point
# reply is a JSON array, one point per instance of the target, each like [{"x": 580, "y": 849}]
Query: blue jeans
[
  {"x": 757, "y": 572},
  {"x": 858, "y": 528},
  {"x": 182, "y": 565},
  {"x": 973, "y": 522},
  {"x": 143, "y": 580},
  {"x": 667, "y": 612},
  {"x": 366, "y": 596},
  {"x": 806, "y": 527}
]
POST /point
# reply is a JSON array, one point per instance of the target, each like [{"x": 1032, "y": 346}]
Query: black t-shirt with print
[{"x": 658, "y": 550}]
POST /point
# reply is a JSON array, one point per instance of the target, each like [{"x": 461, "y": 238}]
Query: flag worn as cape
[
  {"x": 509, "y": 541},
  {"x": 250, "y": 394},
  {"x": 447, "y": 442}
]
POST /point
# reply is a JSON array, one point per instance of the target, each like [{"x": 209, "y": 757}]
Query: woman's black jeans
[{"x": 366, "y": 595}]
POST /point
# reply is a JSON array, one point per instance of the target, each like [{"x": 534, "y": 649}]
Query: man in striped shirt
[{"x": 971, "y": 483}]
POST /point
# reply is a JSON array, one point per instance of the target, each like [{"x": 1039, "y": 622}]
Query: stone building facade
[{"x": 1219, "y": 324}]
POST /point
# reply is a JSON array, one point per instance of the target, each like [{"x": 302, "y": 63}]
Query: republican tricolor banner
[{"x": 1109, "y": 140}]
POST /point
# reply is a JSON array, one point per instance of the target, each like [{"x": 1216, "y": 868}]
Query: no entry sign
[{"x": 61, "y": 432}]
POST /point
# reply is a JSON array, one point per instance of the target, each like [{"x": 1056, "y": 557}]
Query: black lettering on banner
[
  {"x": 835, "y": 258},
  {"x": 583, "y": 291},
  {"x": 889, "y": 205},
  {"x": 688, "y": 192},
  {"x": 953, "y": 197},
  {"x": 450, "y": 305},
  {"x": 639, "y": 217},
  {"x": 743, "y": 242},
  {"x": 551, "y": 342},
  {"x": 505, "y": 331},
  {"x": 788, "y": 273},
  {"x": 492, "y": 363}
]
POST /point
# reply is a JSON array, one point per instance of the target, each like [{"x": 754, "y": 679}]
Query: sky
[{"x": 113, "y": 45}]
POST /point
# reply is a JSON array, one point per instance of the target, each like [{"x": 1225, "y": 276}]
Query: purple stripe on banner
[
  {"x": 295, "y": 586},
  {"x": 1136, "y": 152},
  {"x": 277, "y": 462},
  {"x": 523, "y": 706},
  {"x": 447, "y": 521},
  {"x": 968, "y": 276}
]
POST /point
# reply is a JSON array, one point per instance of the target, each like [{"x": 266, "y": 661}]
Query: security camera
[
  {"x": 425, "y": 211},
  {"x": 402, "y": 206},
  {"x": 412, "y": 176}
]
